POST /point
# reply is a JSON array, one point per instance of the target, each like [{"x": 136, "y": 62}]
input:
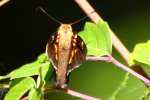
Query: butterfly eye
[{"x": 67, "y": 27}]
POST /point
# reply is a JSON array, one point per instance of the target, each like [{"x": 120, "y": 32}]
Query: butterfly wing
[
  {"x": 52, "y": 50},
  {"x": 77, "y": 53}
]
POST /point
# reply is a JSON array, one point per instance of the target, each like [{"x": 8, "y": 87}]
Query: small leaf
[
  {"x": 97, "y": 38},
  {"x": 28, "y": 70},
  {"x": 43, "y": 71},
  {"x": 19, "y": 87},
  {"x": 4, "y": 77},
  {"x": 35, "y": 94},
  {"x": 141, "y": 54},
  {"x": 42, "y": 58},
  {"x": 31, "y": 69}
]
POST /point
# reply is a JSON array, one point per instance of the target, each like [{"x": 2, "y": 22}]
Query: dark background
[{"x": 24, "y": 30}]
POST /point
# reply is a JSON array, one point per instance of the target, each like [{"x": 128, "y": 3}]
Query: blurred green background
[{"x": 25, "y": 31}]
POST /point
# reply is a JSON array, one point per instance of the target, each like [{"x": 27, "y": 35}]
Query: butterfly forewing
[
  {"x": 77, "y": 53},
  {"x": 52, "y": 50}
]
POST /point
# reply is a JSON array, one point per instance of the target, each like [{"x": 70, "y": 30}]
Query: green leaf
[
  {"x": 30, "y": 69},
  {"x": 43, "y": 71},
  {"x": 97, "y": 38},
  {"x": 40, "y": 67},
  {"x": 19, "y": 87},
  {"x": 4, "y": 77},
  {"x": 42, "y": 58},
  {"x": 35, "y": 94},
  {"x": 141, "y": 54}
]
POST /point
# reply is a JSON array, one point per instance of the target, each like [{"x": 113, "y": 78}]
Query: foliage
[
  {"x": 140, "y": 56},
  {"x": 22, "y": 82}
]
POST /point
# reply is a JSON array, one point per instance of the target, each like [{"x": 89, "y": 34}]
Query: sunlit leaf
[
  {"x": 43, "y": 72},
  {"x": 35, "y": 94},
  {"x": 4, "y": 77},
  {"x": 97, "y": 38},
  {"x": 19, "y": 87},
  {"x": 30, "y": 69},
  {"x": 141, "y": 54}
]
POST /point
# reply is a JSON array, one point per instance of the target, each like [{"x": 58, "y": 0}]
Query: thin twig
[
  {"x": 120, "y": 65},
  {"x": 118, "y": 45},
  {"x": 69, "y": 92},
  {"x": 80, "y": 95},
  {"x": 99, "y": 58},
  {"x": 134, "y": 73}
]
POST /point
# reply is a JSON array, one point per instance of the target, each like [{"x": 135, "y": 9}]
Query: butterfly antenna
[
  {"x": 77, "y": 21},
  {"x": 49, "y": 15}
]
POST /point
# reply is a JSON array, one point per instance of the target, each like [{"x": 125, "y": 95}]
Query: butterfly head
[{"x": 65, "y": 29}]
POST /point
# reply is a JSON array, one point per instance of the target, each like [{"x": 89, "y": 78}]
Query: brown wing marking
[
  {"x": 77, "y": 53},
  {"x": 52, "y": 49}
]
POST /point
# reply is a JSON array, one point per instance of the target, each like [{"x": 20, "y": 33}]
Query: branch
[
  {"x": 80, "y": 95},
  {"x": 69, "y": 92},
  {"x": 87, "y": 8},
  {"x": 3, "y": 2},
  {"x": 120, "y": 65}
]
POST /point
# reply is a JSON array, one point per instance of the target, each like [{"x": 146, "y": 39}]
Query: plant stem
[
  {"x": 120, "y": 65},
  {"x": 69, "y": 92},
  {"x": 80, "y": 95},
  {"x": 97, "y": 58},
  {"x": 3, "y": 2},
  {"x": 134, "y": 73}
]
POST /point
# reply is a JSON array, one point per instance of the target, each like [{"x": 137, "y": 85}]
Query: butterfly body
[{"x": 66, "y": 51}]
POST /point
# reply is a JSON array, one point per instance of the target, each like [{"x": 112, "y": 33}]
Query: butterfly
[{"x": 66, "y": 51}]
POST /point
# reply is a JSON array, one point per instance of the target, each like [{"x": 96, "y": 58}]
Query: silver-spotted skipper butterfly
[{"x": 66, "y": 51}]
